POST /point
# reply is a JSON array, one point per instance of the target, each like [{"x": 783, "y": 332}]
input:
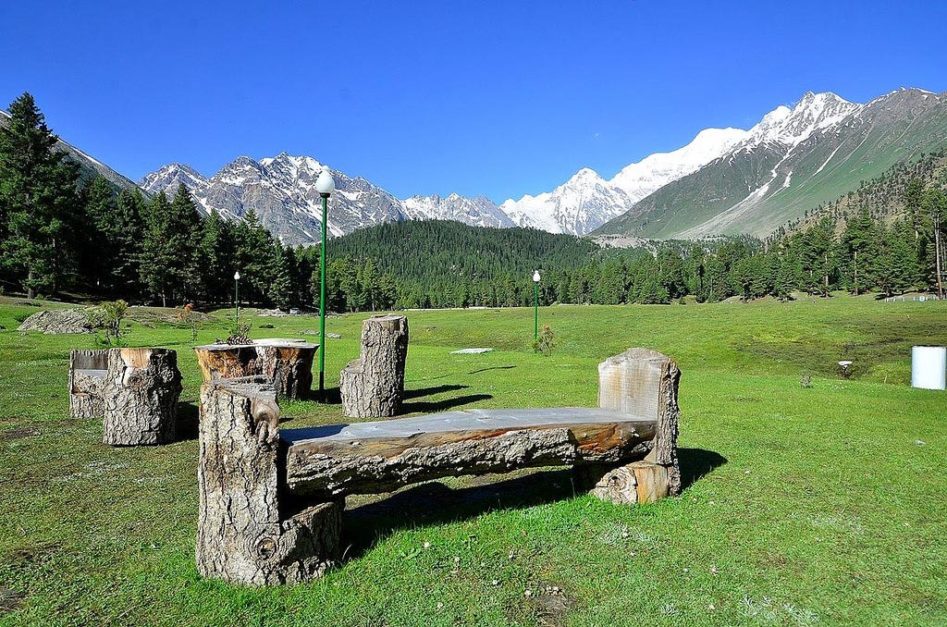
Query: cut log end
[
  {"x": 636, "y": 483},
  {"x": 287, "y": 364}
]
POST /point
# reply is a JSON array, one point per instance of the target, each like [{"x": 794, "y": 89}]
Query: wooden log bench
[
  {"x": 271, "y": 501},
  {"x": 86, "y": 377},
  {"x": 285, "y": 363}
]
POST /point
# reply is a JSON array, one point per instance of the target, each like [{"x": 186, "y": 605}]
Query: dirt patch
[
  {"x": 549, "y": 604},
  {"x": 33, "y": 556},
  {"x": 16, "y": 434},
  {"x": 10, "y": 600}
]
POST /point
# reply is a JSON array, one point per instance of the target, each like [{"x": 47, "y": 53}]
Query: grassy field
[{"x": 805, "y": 505}]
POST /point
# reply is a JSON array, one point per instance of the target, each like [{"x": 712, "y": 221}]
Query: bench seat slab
[{"x": 373, "y": 457}]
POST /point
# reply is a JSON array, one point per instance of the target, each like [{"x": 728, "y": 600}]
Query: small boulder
[{"x": 55, "y": 321}]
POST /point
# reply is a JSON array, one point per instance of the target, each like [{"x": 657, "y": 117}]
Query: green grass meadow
[{"x": 804, "y": 505}]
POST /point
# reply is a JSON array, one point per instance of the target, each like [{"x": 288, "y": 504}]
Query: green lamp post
[
  {"x": 536, "y": 305},
  {"x": 325, "y": 185},
  {"x": 236, "y": 298}
]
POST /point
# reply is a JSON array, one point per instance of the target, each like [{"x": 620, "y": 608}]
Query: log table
[{"x": 285, "y": 363}]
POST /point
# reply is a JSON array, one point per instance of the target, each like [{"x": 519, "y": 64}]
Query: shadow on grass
[
  {"x": 490, "y": 368},
  {"x": 434, "y": 503},
  {"x": 188, "y": 419},
  {"x": 438, "y": 389},
  {"x": 430, "y": 407},
  {"x": 696, "y": 463},
  {"x": 332, "y": 396}
]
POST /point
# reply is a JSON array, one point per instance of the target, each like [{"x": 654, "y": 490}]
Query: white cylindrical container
[{"x": 929, "y": 367}]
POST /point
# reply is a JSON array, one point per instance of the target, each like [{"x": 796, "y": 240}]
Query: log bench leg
[
  {"x": 636, "y": 483},
  {"x": 244, "y": 535},
  {"x": 640, "y": 382}
]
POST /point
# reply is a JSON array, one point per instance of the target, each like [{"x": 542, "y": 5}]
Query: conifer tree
[
  {"x": 37, "y": 196},
  {"x": 280, "y": 286},
  {"x": 126, "y": 240}
]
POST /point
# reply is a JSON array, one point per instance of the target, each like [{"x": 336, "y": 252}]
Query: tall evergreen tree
[{"x": 37, "y": 194}]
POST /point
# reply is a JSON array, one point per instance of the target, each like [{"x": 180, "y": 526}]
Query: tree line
[{"x": 60, "y": 235}]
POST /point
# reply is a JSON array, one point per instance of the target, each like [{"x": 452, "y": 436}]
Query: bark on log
[
  {"x": 87, "y": 370},
  {"x": 383, "y": 456},
  {"x": 287, "y": 364},
  {"x": 644, "y": 382},
  {"x": 244, "y": 535},
  {"x": 141, "y": 391},
  {"x": 372, "y": 386}
]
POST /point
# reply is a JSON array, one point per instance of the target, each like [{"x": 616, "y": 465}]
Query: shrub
[
  {"x": 107, "y": 318},
  {"x": 546, "y": 341}
]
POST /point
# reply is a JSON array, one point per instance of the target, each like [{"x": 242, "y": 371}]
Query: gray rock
[{"x": 55, "y": 321}]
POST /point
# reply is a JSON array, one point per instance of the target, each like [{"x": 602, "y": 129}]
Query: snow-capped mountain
[
  {"x": 793, "y": 160},
  {"x": 587, "y": 201},
  {"x": 281, "y": 190},
  {"x": 578, "y": 206},
  {"x": 655, "y": 171},
  {"x": 479, "y": 211},
  {"x": 790, "y": 127}
]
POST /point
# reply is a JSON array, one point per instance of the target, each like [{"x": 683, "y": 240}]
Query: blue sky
[{"x": 494, "y": 98}]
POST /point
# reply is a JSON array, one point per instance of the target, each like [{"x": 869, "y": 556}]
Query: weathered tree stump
[
  {"x": 643, "y": 382},
  {"x": 87, "y": 370},
  {"x": 372, "y": 386},
  {"x": 140, "y": 393},
  {"x": 287, "y": 364},
  {"x": 242, "y": 534}
]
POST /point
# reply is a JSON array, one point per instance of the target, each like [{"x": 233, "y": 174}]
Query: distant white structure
[{"x": 929, "y": 367}]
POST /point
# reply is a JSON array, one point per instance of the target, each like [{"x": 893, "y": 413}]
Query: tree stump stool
[
  {"x": 140, "y": 393},
  {"x": 372, "y": 386},
  {"x": 86, "y": 377},
  {"x": 285, "y": 363},
  {"x": 243, "y": 534}
]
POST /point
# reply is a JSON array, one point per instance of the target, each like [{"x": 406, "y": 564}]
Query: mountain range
[
  {"x": 725, "y": 181},
  {"x": 792, "y": 161}
]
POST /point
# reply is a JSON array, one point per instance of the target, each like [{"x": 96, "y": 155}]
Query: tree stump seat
[
  {"x": 372, "y": 386},
  {"x": 87, "y": 370},
  {"x": 140, "y": 396},
  {"x": 271, "y": 501},
  {"x": 286, "y": 363}
]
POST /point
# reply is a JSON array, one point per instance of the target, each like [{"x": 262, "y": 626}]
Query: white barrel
[{"x": 929, "y": 367}]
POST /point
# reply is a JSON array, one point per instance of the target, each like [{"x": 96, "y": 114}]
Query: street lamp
[
  {"x": 236, "y": 296},
  {"x": 536, "y": 305},
  {"x": 325, "y": 185}
]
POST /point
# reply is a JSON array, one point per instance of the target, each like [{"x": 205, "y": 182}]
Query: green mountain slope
[
  {"x": 757, "y": 189},
  {"x": 88, "y": 166}
]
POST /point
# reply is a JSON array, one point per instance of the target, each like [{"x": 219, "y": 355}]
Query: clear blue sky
[{"x": 494, "y": 98}]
